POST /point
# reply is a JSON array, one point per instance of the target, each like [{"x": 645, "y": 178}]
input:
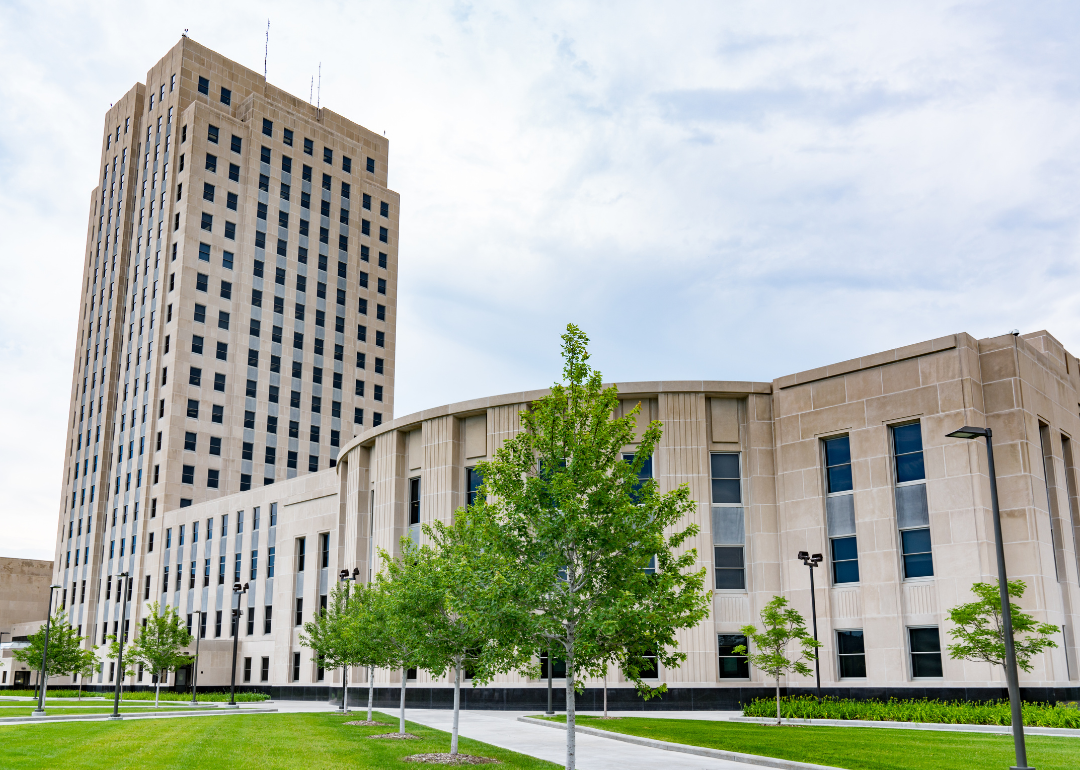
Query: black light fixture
[
  {"x": 195, "y": 662},
  {"x": 1011, "y": 676},
  {"x": 238, "y": 591},
  {"x": 344, "y": 576},
  {"x": 813, "y": 562}
]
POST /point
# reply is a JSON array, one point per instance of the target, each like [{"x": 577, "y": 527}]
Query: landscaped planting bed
[{"x": 922, "y": 710}]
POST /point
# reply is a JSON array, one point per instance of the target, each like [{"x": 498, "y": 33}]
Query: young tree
[
  {"x": 400, "y": 631},
  {"x": 782, "y": 624},
  {"x": 159, "y": 643},
  {"x": 86, "y": 665},
  {"x": 452, "y": 588},
  {"x": 979, "y": 633},
  {"x": 582, "y": 531},
  {"x": 114, "y": 653},
  {"x": 64, "y": 648}
]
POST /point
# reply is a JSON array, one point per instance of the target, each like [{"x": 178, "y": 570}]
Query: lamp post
[
  {"x": 123, "y": 586},
  {"x": 40, "y": 710},
  {"x": 812, "y": 562},
  {"x": 344, "y": 576},
  {"x": 195, "y": 663},
  {"x": 238, "y": 591},
  {"x": 1011, "y": 677}
]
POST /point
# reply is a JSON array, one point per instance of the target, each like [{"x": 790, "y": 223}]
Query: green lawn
[
  {"x": 57, "y": 710},
  {"x": 317, "y": 741},
  {"x": 856, "y": 748}
]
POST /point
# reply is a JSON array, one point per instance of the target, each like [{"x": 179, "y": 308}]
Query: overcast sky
[{"x": 713, "y": 190}]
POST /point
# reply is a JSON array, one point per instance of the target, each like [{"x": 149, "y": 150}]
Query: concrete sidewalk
[{"x": 501, "y": 728}]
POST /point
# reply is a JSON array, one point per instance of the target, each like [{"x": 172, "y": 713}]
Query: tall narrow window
[
  {"x": 732, "y": 665},
  {"x": 301, "y": 547},
  {"x": 728, "y": 521},
  {"x": 299, "y": 612},
  {"x": 324, "y": 550},
  {"x": 1050, "y": 479},
  {"x": 1071, "y": 488},
  {"x": 414, "y": 509},
  {"x": 925, "y": 649},
  {"x": 912, "y": 512},
  {"x": 840, "y": 511},
  {"x": 851, "y": 654},
  {"x": 644, "y": 474},
  {"x": 473, "y": 482}
]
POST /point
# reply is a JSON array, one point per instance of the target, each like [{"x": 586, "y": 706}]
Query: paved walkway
[{"x": 500, "y": 728}]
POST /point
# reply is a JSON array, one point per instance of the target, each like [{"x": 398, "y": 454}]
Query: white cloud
[{"x": 712, "y": 190}]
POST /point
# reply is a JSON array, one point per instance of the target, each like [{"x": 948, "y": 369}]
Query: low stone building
[
  {"x": 850, "y": 461},
  {"x": 24, "y": 601}
]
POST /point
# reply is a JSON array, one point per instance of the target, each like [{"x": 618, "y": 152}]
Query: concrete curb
[
  {"x": 138, "y": 715},
  {"x": 682, "y": 748},
  {"x": 1064, "y": 732}
]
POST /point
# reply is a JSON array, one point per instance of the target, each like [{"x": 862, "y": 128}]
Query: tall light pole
[
  {"x": 40, "y": 710},
  {"x": 343, "y": 576},
  {"x": 195, "y": 666},
  {"x": 812, "y": 562},
  {"x": 550, "y": 665},
  {"x": 238, "y": 591},
  {"x": 1011, "y": 676},
  {"x": 124, "y": 586}
]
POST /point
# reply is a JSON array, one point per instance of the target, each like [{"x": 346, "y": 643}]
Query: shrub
[{"x": 921, "y": 710}]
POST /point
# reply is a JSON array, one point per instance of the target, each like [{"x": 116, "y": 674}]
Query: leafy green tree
[
  {"x": 343, "y": 634},
  {"x": 782, "y": 625},
  {"x": 64, "y": 648},
  {"x": 583, "y": 531},
  {"x": 114, "y": 654},
  {"x": 159, "y": 644},
  {"x": 451, "y": 587},
  {"x": 402, "y": 629},
  {"x": 979, "y": 634},
  {"x": 86, "y": 665}
]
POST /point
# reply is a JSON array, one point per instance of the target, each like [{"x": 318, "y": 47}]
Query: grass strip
[
  {"x": 853, "y": 748},
  {"x": 916, "y": 710},
  {"x": 313, "y": 741},
  {"x": 203, "y": 697}
]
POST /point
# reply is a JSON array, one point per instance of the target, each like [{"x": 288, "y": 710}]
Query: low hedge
[
  {"x": 916, "y": 710},
  {"x": 141, "y": 695}
]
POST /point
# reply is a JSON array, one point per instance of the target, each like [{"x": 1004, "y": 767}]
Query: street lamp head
[
  {"x": 355, "y": 573},
  {"x": 54, "y": 586},
  {"x": 803, "y": 555},
  {"x": 969, "y": 432},
  {"x": 246, "y": 585},
  {"x": 817, "y": 558},
  {"x": 343, "y": 575},
  {"x": 236, "y": 588}
]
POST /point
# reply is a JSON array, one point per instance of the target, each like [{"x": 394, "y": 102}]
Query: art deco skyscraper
[{"x": 238, "y": 311}]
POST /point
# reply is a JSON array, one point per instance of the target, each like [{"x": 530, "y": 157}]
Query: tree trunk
[
  {"x": 45, "y": 688},
  {"x": 404, "y": 680},
  {"x": 605, "y": 692},
  {"x": 80, "y": 688},
  {"x": 457, "y": 707},
  {"x": 370, "y": 689},
  {"x": 778, "y": 699},
  {"x": 157, "y": 691},
  {"x": 571, "y": 713}
]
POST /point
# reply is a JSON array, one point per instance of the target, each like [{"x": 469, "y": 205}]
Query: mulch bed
[
  {"x": 395, "y": 736},
  {"x": 369, "y": 723},
  {"x": 451, "y": 759}
]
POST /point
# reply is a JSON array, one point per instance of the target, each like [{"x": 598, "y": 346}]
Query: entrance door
[{"x": 22, "y": 679}]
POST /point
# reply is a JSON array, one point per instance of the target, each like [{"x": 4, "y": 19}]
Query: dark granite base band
[{"x": 622, "y": 698}]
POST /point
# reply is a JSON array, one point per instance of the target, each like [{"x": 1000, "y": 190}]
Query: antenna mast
[
  {"x": 318, "y": 102},
  {"x": 266, "y": 50}
]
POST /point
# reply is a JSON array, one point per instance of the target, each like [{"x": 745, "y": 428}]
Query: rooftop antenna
[
  {"x": 318, "y": 97},
  {"x": 185, "y": 31},
  {"x": 311, "y": 93},
  {"x": 266, "y": 50}
]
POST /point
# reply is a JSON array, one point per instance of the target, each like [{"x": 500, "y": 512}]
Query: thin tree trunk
[
  {"x": 157, "y": 691},
  {"x": 571, "y": 713},
  {"x": 45, "y": 688},
  {"x": 778, "y": 699},
  {"x": 370, "y": 689},
  {"x": 457, "y": 707},
  {"x": 404, "y": 680},
  {"x": 605, "y": 691},
  {"x": 80, "y": 688}
]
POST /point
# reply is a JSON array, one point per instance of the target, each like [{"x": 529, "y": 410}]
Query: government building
[{"x": 232, "y": 423}]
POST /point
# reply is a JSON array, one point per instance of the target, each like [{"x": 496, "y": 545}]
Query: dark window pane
[
  {"x": 726, "y": 491},
  {"x": 732, "y": 666},
  {"x": 924, "y": 640},
  {"x": 729, "y": 557},
  {"x": 725, "y": 466},
  {"x": 908, "y": 438},
  {"x": 838, "y": 451},
  {"x": 910, "y": 467},
  {"x": 844, "y": 548},
  {"x": 918, "y": 565},
  {"x": 850, "y": 643},
  {"x": 852, "y": 666},
  {"x": 840, "y": 478},
  {"x": 916, "y": 540},
  {"x": 926, "y": 664}
]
